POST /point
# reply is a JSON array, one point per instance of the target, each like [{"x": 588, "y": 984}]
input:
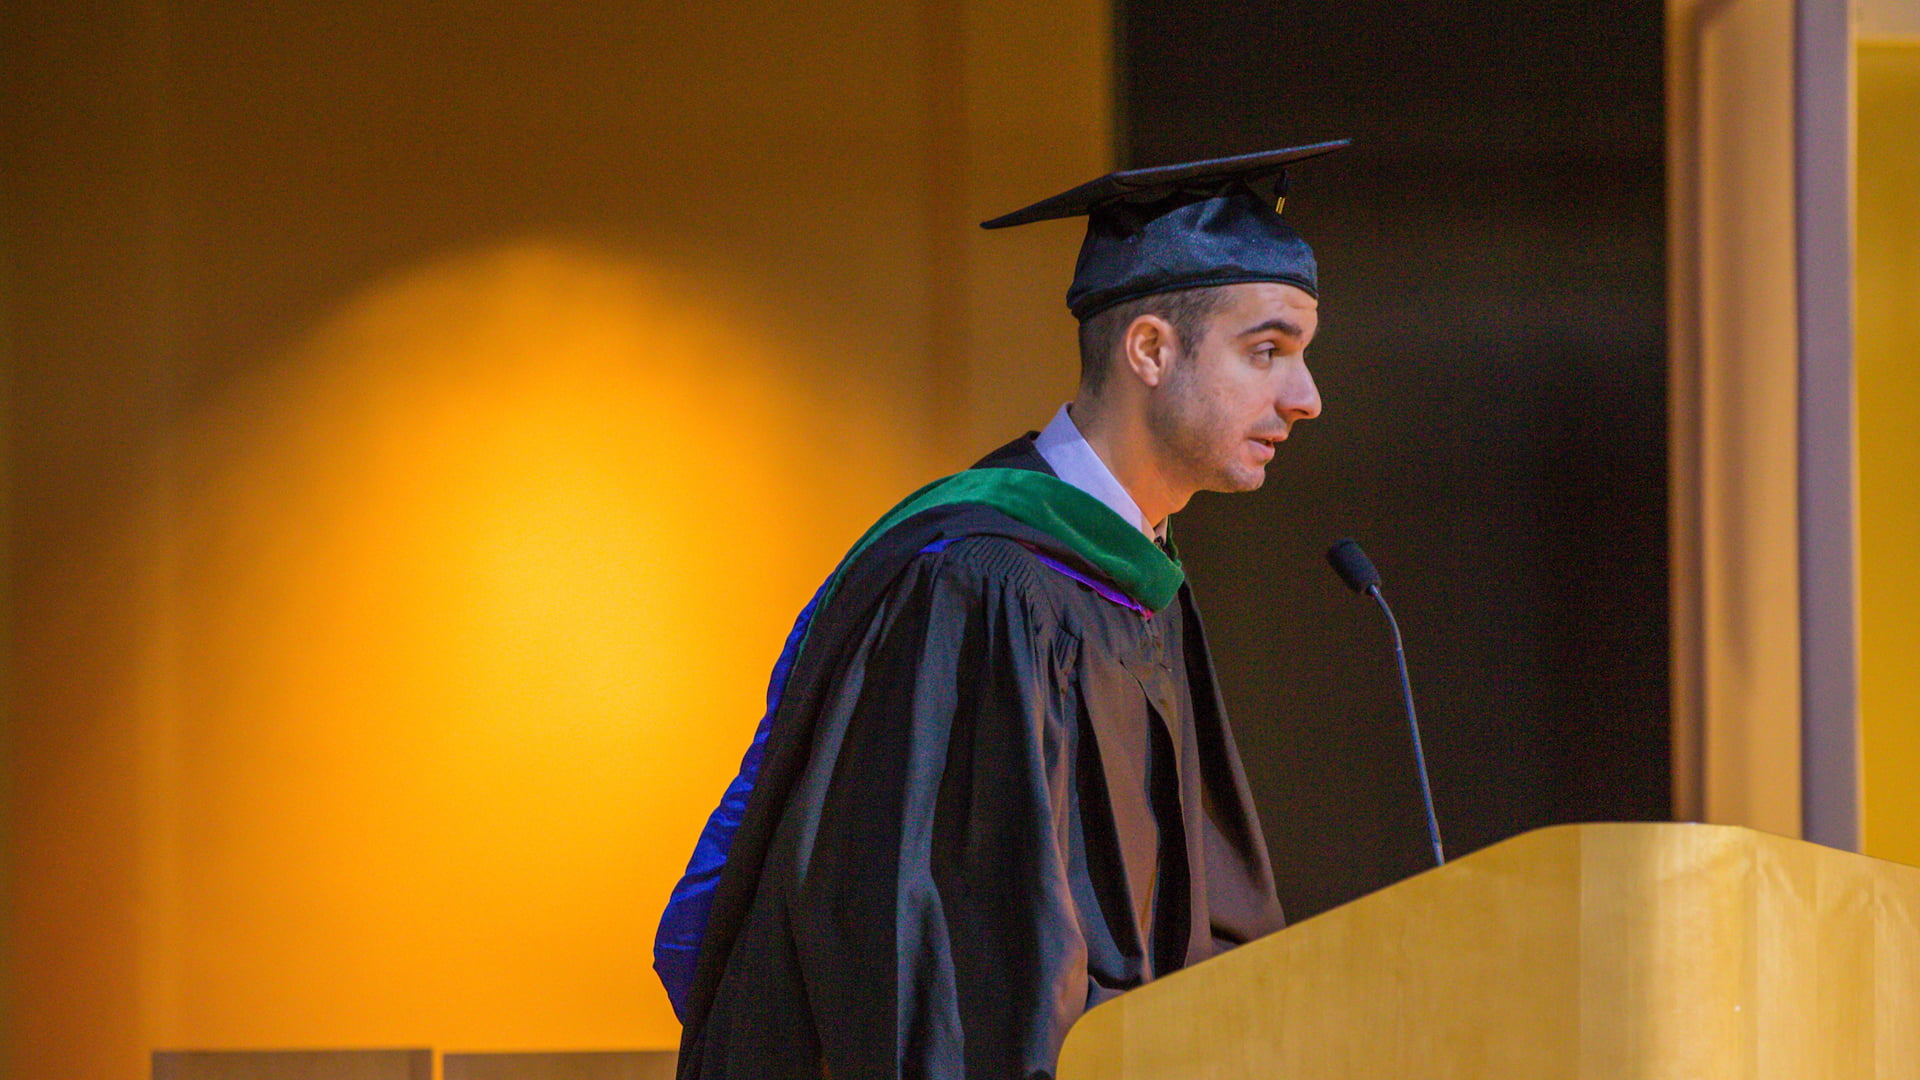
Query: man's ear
[{"x": 1149, "y": 348}]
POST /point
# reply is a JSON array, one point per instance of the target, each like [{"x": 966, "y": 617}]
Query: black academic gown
[{"x": 991, "y": 800}]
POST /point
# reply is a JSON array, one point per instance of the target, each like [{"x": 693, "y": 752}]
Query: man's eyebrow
[{"x": 1292, "y": 330}]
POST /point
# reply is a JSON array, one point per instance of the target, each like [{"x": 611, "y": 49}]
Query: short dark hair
[{"x": 1186, "y": 310}]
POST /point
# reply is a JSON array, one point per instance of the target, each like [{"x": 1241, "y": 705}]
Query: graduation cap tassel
[{"x": 1280, "y": 193}]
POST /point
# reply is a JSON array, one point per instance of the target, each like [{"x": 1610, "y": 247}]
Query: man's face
[{"x": 1237, "y": 391}]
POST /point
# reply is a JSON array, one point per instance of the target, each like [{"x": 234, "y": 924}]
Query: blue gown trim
[{"x": 676, "y": 948}]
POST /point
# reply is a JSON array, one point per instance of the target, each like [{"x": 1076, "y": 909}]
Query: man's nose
[{"x": 1299, "y": 398}]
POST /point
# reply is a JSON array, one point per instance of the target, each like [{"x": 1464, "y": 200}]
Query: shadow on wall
[{"x": 474, "y": 595}]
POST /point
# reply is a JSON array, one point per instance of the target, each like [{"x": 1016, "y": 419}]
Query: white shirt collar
[{"x": 1073, "y": 459}]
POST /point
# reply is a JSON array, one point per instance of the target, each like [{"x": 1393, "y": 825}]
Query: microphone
[{"x": 1357, "y": 571}]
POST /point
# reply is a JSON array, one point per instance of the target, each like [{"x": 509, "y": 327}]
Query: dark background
[{"x": 1491, "y": 356}]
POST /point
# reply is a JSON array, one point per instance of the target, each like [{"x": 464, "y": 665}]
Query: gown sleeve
[{"x": 933, "y": 918}]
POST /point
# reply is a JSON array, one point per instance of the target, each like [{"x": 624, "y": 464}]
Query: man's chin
[{"x": 1239, "y": 480}]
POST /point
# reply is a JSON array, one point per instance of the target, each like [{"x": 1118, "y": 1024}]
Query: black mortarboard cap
[{"x": 1181, "y": 227}]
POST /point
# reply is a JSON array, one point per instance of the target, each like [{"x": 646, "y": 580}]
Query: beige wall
[
  {"x": 1734, "y": 400},
  {"x": 1736, "y": 380},
  {"x": 423, "y": 425}
]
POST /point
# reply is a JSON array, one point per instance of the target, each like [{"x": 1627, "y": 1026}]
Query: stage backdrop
[{"x": 1492, "y": 359}]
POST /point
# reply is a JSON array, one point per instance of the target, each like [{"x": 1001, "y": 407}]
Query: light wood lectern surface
[{"x": 1598, "y": 952}]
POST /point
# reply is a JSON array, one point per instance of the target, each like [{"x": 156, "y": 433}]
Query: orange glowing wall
[
  {"x": 1887, "y": 388},
  {"x": 423, "y": 424}
]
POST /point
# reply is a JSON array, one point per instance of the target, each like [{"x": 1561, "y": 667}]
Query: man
[{"x": 995, "y": 785}]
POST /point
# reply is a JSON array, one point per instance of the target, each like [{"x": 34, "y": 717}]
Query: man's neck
[{"x": 1121, "y": 440}]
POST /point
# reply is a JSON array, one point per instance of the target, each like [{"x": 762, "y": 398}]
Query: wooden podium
[{"x": 1597, "y": 952}]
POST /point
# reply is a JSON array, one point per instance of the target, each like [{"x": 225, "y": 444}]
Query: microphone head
[{"x": 1353, "y": 566}]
